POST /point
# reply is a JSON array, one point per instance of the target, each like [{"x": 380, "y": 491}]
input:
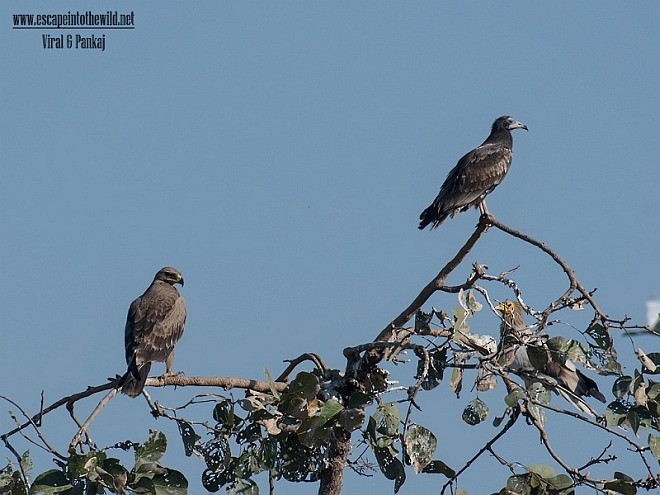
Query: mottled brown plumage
[
  {"x": 154, "y": 325},
  {"x": 527, "y": 355},
  {"x": 475, "y": 175}
]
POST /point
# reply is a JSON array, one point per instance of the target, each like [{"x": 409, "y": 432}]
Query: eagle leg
[
  {"x": 168, "y": 366},
  {"x": 483, "y": 209}
]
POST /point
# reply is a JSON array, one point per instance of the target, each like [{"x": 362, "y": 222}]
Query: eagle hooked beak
[
  {"x": 517, "y": 125},
  {"x": 505, "y": 308},
  {"x": 180, "y": 280}
]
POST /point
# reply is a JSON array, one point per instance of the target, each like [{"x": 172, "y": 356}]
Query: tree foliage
[{"x": 311, "y": 427}]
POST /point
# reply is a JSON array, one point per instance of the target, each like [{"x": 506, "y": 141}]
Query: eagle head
[
  {"x": 508, "y": 123},
  {"x": 169, "y": 275}
]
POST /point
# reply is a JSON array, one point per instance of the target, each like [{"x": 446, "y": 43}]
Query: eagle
[
  {"x": 154, "y": 325},
  {"x": 475, "y": 175},
  {"x": 527, "y": 355}
]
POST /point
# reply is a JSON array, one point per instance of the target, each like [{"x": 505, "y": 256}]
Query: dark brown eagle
[
  {"x": 154, "y": 325},
  {"x": 526, "y": 354},
  {"x": 475, "y": 175}
]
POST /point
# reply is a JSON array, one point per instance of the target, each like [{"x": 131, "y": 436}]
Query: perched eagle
[
  {"x": 475, "y": 175},
  {"x": 154, "y": 325},
  {"x": 527, "y": 355}
]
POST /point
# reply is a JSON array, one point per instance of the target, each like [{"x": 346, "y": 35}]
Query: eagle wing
[
  {"x": 154, "y": 324},
  {"x": 475, "y": 175}
]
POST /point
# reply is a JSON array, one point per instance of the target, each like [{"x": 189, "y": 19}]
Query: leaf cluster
[{"x": 97, "y": 473}]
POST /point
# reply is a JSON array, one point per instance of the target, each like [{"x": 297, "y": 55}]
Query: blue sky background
[{"x": 279, "y": 155}]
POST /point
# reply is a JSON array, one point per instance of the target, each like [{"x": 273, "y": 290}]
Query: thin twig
[
  {"x": 512, "y": 419},
  {"x": 11, "y": 448},
  {"x": 46, "y": 446},
  {"x": 308, "y": 356},
  {"x": 83, "y": 429},
  {"x": 439, "y": 280},
  {"x": 636, "y": 447}
]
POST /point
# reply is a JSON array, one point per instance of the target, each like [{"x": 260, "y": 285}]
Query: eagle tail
[
  {"x": 432, "y": 215},
  {"x": 589, "y": 387},
  {"x": 132, "y": 383}
]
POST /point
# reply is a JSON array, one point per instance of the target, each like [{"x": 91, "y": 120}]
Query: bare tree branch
[
  {"x": 308, "y": 356},
  {"x": 512, "y": 419},
  {"x": 156, "y": 381},
  {"x": 83, "y": 429}
]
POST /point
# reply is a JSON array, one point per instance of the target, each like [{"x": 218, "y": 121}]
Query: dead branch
[
  {"x": 308, "y": 356},
  {"x": 512, "y": 419},
  {"x": 83, "y": 429},
  {"x": 157, "y": 381}
]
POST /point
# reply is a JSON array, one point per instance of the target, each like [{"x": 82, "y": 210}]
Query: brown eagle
[
  {"x": 527, "y": 355},
  {"x": 154, "y": 325},
  {"x": 475, "y": 175}
]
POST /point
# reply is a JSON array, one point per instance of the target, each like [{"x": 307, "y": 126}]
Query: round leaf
[
  {"x": 475, "y": 412},
  {"x": 420, "y": 446}
]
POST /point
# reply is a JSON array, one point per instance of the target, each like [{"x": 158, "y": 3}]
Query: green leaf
[
  {"x": 390, "y": 466},
  {"x": 639, "y": 417},
  {"x": 543, "y": 470},
  {"x": 518, "y": 484},
  {"x": 653, "y": 391},
  {"x": 170, "y": 483},
  {"x": 539, "y": 393},
  {"x": 558, "y": 345},
  {"x": 475, "y": 412},
  {"x": 514, "y": 397},
  {"x": 11, "y": 481},
  {"x": 212, "y": 480},
  {"x": 387, "y": 418},
  {"x": 85, "y": 465},
  {"x": 560, "y": 482},
  {"x": 420, "y": 446},
  {"x": 144, "y": 486},
  {"x": 329, "y": 411},
  {"x": 113, "y": 475},
  {"x": 654, "y": 445},
  {"x": 439, "y": 467},
  {"x": 152, "y": 450},
  {"x": 26, "y": 461},
  {"x": 271, "y": 384},
  {"x": 305, "y": 385},
  {"x": 600, "y": 335},
  {"x": 246, "y": 487},
  {"x": 622, "y": 483},
  {"x": 616, "y": 413},
  {"x": 188, "y": 436},
  {"x": 352, "y": 418},
  {"x": 50, "y": 482},
  {"x": 621, "y": 386},
  {"x": 223, "y": 413},
  {"x": 611, "y": 366}
]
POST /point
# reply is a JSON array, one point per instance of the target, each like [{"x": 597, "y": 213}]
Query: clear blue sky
[{"x": 279, "y": 154}]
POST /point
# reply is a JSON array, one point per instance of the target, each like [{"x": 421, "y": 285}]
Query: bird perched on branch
[
  {"x": 528, "y": 356},
  {"x": 475, "y": 175},
  {"x": 154, "y": 325}
]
